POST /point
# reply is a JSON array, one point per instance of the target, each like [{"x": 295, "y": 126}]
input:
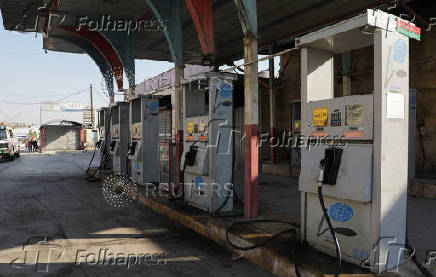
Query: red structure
[
  {"x": 202, "y": 16},
  {"x": 105, "y": 48}
]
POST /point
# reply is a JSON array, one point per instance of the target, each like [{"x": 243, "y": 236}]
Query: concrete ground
[{"x": 49, "y": 212}]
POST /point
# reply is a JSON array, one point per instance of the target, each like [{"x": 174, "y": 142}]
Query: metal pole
[
  {"x": 272, "y": 106},
  {"x": 251, "y": 118},
  {"x": 179, "y": 75},
  {"x": 92, "y": 106}
]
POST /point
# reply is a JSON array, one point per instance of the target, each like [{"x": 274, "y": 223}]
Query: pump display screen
[
  {"x": 115, "y": 115},
  {"x": 354, "y": 115},
  {"x": 136, "y": 111}
]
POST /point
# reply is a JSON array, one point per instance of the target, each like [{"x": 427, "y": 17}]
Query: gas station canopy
[{"x": 279, "y": 21}]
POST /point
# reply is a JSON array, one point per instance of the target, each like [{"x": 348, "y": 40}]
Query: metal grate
[{"x": 165, "y": 125}]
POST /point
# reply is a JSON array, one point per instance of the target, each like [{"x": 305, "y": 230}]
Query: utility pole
[{"x": 92, "y": 106}]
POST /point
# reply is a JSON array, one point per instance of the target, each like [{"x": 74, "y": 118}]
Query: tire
[{"x": 11, "y": 157}]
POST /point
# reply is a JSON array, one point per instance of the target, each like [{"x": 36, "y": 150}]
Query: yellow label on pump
[
  {"x": 320, "y": 117},
  {"x": 190, "y": 127}
]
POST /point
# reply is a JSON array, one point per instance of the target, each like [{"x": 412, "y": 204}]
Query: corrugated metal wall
[{"x": 62, "y": 138}]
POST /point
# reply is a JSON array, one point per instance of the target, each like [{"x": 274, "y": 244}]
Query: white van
[{"x": 8, "y": 144}]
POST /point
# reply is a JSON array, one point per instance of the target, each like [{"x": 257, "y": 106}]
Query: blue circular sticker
[
  {"x": 400, "y": 50},
  {"x": 226, "y": 91},
  {"x": 198, "y": 181},
  {"x": 340, "y": 212},
  {"x": 153, "y": 106}
]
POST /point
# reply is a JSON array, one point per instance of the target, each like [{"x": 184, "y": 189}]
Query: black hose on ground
[
  {"x": 332, "y": 232},
  {"x": 90, "y": 177},
  {"x": 269, "y": 239}
]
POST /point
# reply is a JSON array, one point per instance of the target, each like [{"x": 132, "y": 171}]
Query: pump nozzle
[{"x": 321, "y": 173}]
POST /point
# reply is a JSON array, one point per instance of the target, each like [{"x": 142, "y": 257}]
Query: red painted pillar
[
  {"x": 82, "y": 139},
  {"x": 42, "y": 138},
  {"x": 251, "y": 118},
  {"x": 251, "y": 170},
  {"x": 179, "y": 151},
  {"x": 272, "y": 108},
  {"x": 178, "y": 100}
]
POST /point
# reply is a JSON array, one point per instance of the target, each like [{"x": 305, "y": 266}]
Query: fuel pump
[
  {"x": 104, "y": 120},
  {"x": 144, "y": 132},
  {"x": 119, "y": 136},
  {"x": 353, "y": 179},
  {"x": 207, "y": 160}
]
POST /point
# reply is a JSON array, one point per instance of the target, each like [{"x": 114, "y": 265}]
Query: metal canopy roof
[{"x": 277, "y": 20}]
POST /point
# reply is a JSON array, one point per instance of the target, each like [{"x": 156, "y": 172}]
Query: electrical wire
[
  {"x": 73, "y": 94},
  {"x": 39, "y": 103}
]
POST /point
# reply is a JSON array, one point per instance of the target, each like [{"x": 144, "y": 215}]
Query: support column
[
  {"x": 247, "y": 12},
  {"x": 170, "y": 14},
  {"x": 251, "y": 117},
  {"x": 272, "y": 106},
  {"x": 179, "y": 75}
]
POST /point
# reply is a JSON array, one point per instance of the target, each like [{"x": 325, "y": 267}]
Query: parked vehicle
[{"x": 8, "y": 144}]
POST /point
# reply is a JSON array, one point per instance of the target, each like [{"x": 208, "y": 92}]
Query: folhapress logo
[{"x": 430, "y": 257}]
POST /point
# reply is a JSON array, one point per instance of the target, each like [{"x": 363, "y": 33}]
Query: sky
[{"x": 28, "y": 76}]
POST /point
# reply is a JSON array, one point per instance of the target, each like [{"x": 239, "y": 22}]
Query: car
[{"x": 8, "y": 144}]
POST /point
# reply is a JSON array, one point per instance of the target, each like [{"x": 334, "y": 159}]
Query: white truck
[{"x": 8, "y": 144}]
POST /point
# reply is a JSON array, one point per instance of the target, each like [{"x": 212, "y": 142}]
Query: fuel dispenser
[
  {"x": 207, "y": 160},
  {"x": 119, "y": 136},
  {"x": 353, "y": 179},
  {"x": 104, "y": 119},
  {"x": 144, "y": 131}
]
